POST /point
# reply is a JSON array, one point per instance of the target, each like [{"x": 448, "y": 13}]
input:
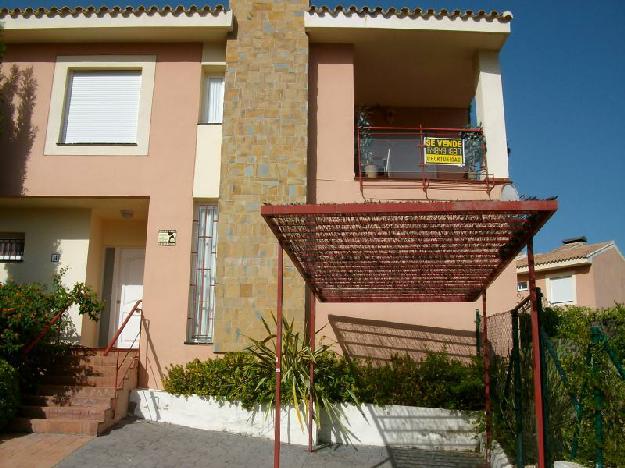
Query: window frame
[
  {"x": 64, "y": 67},
  {"x": 521, "y": 289},
  {"x": 205, "y": 104},
  {"x": 18, "y": 238},
  {"x": 549, "y": 288}
]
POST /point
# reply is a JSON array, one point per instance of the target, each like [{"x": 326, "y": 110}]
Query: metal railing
[
  {"x": 44, "y": 331},
  {"x": 111, "y": 345},
  {"x": 441, "y": 155}
]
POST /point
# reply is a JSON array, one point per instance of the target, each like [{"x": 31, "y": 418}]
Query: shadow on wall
[
  {"x": 24, "y": 272},
  {"x": 17, "y": 102},
  {"x": 379, "y": 340}
]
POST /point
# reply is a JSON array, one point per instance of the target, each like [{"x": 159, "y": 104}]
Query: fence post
[
  {"x": 518, "y": 401},
  {"x": 544, "y": 379},
  {"x": 595, "y": 334},
  {"x": 477, "y": 331}
]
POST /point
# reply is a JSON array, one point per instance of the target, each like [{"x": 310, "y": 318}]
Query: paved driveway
[{"x": 146, "y": 444}]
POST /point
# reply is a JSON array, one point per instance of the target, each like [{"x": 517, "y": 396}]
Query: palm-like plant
[{"x": 297, "y": 356}]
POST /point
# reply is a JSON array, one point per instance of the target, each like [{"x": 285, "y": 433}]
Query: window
[
  {"x": 102, "y": 107},
  {"x": 213, "y": 100},
  {"x": 522, "y": 286},
  {"x": 561, "y": 290},
  {"x": 203, "y": 260},
  {"x": 11, "y": 247}
]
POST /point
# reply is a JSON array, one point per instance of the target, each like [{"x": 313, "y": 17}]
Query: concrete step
[
  {"x": 86, "y": 369},
  {"x": 82, "y": 380},
  {"x": 54, "y": 400},
  {"x": 70, "y": 391},
  {"x": 97, "y": 413},
  {"x": 77, "y": 360},
  {"x": 62, "y": 426}
]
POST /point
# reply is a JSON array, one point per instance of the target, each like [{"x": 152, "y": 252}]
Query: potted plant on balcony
[
  {"x": 474, "y": 153},
  {"x": 363, "y": 124}
]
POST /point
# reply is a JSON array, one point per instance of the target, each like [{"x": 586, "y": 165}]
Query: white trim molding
[{"x": 64, "y": 66}]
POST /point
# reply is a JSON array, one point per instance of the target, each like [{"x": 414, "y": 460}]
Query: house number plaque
[{"x": 167, "y": 237}]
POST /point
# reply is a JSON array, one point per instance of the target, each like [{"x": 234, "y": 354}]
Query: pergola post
[
  {"x": 486, "y": 351},
  {"x": 538, "y": 392},
  {"x": 311, "y": 370},
  {"x": 276, "y": 438}
]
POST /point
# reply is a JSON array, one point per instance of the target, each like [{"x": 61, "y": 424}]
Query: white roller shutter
[
  {"x": 102, "y": 107},
  {"x": 562, "y": 290}
]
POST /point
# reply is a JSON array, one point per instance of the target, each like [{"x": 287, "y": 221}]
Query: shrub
[
  {"x": 25, "y": 309},
  {"x": 9, "y": 393},
  {"x": 437, "y": 381}
]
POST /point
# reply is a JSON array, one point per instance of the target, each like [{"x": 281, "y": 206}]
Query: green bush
[
  {"x": 436, "y": 381},
  {"x": 9, "y": 393},
  {"x": 26, "y": 309}
]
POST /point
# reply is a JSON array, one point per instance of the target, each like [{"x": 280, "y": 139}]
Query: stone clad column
[{"x": 265, "y": 133}]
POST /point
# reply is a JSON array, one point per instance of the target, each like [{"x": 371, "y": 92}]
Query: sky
[{"x": 564, "y": 88}]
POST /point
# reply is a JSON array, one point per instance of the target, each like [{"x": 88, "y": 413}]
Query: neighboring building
[
  {"x": 578, "y": 273},
  {"x": 155, "y": 135}
]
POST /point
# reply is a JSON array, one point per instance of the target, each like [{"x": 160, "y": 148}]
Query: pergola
[{"x": 406, "y": 252}]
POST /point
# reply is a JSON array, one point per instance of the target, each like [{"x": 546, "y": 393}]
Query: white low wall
[
  {"x": 208, "y": 414},
  {"x": 431, "y": 428}
]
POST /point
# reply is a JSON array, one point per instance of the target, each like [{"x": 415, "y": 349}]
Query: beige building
[
  {"x": 142, "y": 142},
  {"x": 578, "y": 273}
]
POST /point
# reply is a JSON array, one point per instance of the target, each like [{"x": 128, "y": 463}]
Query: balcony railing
[{"x": 454, "y": 155}]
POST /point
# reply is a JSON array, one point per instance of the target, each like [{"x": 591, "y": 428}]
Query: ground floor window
[
  {"x": 11, "y": 247},
  {"x": 203, "y": 261}
]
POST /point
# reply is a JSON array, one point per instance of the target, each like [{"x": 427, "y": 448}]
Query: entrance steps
[{"x": 80, "y": 394}]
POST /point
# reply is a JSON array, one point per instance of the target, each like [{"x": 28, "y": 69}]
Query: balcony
[{"x": 427, "y": 156}]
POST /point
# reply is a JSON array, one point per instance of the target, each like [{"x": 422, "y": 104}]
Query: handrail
[
  {"x": 121, "y": 327},
  {"x": 28, "y": 348}
]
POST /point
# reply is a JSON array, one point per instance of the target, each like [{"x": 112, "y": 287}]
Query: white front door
[{"x": 128, "y": 289}]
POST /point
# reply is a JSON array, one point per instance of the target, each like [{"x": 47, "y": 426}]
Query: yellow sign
[
  {"x": 167, "y": 237},
  {"x": 448, "y": 151}
]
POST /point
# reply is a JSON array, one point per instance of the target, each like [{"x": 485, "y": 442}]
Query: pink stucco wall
[
  {"x": 165, "y": 176},
  {"x": 609, "y": 278},
  {"x": 331, "y": 179}
]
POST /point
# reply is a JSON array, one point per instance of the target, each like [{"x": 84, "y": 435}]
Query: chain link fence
[{"x": 583, "y": 387}]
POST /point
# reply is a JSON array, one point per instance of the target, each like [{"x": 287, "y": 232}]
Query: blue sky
[{"x": 564, "y": 87}]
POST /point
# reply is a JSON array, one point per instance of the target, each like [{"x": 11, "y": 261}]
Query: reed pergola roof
[{"x": 406, "y": 251}]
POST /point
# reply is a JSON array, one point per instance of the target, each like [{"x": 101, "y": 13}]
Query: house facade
[
  {"x": 142, "y": 143},
  {"x": 578, "y": 273}
]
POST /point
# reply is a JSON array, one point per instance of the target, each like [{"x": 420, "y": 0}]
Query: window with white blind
[
  {"x": 102, "y": 107},
  {"x": 213, "y": 100},
  {"x": 203, "y": 262},
  {"x": 562, "y": 290}
]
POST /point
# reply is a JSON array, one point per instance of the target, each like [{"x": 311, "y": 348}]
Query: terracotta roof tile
[
  {"x": 575, "y": 250},
  {"x": 52, "y": 11},
  {"x": 412, "y": 12}
]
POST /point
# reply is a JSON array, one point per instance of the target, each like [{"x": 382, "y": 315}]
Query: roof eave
[{"x": 116, "y": 27}]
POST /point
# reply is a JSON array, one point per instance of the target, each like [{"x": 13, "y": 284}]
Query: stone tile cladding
[{"x": 264, "y": 151}]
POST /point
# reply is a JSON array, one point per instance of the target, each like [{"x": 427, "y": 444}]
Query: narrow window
[
  {"x": 203, "y": 261},
  {"x": 522, "y": 286},
  {"x": 11, "y": 247},
  {"x": 561, "y": 290},
  {"x": 213, "y": 100},
  {"x": 102, "y": 107}
]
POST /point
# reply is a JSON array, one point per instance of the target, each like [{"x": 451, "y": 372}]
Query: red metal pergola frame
[{"x": 406, "y": 252}]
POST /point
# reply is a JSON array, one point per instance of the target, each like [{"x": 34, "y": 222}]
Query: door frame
[{"x": 116, "y": 289}]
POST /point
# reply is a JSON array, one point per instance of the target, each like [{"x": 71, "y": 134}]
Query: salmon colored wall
[
  {"x": 165, "y": 176},
  {"x": 331, "y": 171},
  {"x": 331, "y": 142},
  {"x": 583, "y": 280},
  {"x": 608, "y": 270}
]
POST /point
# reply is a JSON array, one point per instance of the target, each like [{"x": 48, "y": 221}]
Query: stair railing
[
  {"x": 108, "y": 349},
  {"x": 44, "y": 331}
]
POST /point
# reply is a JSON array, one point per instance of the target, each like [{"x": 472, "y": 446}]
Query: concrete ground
[
  {"x": 138, "y": 443},
  {"x": 37, "y": 450}
]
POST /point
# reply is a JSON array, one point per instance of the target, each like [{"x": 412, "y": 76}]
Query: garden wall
[{"x": 431, "y": 428}]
